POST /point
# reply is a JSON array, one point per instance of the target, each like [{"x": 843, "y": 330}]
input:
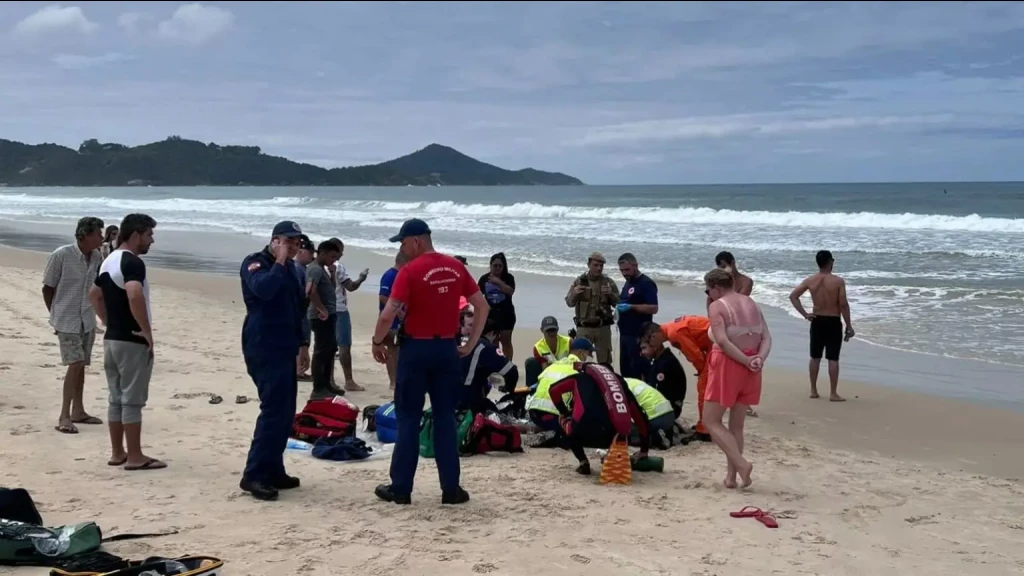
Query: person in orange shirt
[{"x": 689, "y": 335}]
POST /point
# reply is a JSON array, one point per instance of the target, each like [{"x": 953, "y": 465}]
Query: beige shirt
[{"x": 71, "y": 275}]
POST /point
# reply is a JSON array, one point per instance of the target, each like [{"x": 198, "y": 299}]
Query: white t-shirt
[{"x": 341, "y": 276}]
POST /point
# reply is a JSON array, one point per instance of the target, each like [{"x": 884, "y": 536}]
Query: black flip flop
[
  {"x": 147, "y": 465},
  {"x": 66, "y": 429},
  {"x": 214, "y": 399},
  {"x": 92, "y": 420},
  {"x": 241, "y": 399},
  {"x": 121, "y": 463}
]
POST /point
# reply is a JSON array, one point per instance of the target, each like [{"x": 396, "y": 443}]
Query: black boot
[
  {"x": 259, "y": 490},
  {"x": 457, "y": 496},
  {"x": 286, "y": 482},
  {"x": 384, "y": 493}
]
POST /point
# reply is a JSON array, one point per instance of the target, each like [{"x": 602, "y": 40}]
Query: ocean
[{"x": 932, "y": 268}]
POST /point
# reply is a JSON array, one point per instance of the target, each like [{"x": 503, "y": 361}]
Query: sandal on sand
[
  {"x": 768, "y": 520},
  {"x": 747, "y": 512},
  {"x": 241, "y": 399},
  {"x": 149, "y": 464},
  {"x": 66, "y": 429},
  {"x": 88, "y": 420},
  {"x": 214, "y": 399},
  {"x": 120, "y": 462}
]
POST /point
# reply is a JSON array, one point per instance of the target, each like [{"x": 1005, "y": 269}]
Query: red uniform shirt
[{"x": 430, "y": 287}]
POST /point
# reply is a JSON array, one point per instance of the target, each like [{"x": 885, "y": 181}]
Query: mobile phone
[{"x": 584, "y": 281}]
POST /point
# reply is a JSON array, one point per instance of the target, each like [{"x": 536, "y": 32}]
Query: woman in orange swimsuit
[{"x": 742, "y": 343}]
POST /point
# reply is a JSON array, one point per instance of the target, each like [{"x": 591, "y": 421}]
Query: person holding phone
[
  {"x": 593, "y": 295},
  {"x": 271, "y": 335}
]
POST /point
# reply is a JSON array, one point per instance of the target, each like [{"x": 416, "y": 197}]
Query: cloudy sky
[{"x": 609, "y": 92}]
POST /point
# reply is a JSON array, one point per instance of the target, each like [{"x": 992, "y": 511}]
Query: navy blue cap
[
  {"x": 581, "y": 344},
  {"x": 288, "y": 229},
  {"x": 411, "y": 227}
]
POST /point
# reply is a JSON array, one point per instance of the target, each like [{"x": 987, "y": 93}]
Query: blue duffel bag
[{"x": 387, "y": 423}]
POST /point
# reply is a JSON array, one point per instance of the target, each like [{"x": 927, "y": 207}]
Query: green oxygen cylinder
[{"x": 649, "y": 464}]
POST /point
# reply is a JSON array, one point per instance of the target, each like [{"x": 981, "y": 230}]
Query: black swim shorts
[{"x": 827, "y": 337}]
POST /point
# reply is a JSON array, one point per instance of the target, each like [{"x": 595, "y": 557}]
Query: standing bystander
[
  {"x": 302, "y": 260},
  {"x": 428, "y": 287},
  {"x": 121, "y": 299},
  {"x": 322, "y": 318},
  {"x": 69, "y": 274},
  {"x": 344, "y": 285}
]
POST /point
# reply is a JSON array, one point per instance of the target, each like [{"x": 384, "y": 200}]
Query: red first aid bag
[{"x": 486, "y": 435}]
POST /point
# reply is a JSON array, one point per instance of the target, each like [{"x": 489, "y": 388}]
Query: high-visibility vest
[
  {"x": 561, "y": 352},
  {"x": 652, "y": 402},
  {"x": 541, "y": 399}
]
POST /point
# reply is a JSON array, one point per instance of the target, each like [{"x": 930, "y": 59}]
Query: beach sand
[{"x": 888, "y": 483}]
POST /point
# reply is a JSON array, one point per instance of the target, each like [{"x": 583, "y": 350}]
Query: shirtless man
[
  {"x": 828, "y": 294},
  {"x": 741, "y": 283},
  {"x": 742, "y": 343}
]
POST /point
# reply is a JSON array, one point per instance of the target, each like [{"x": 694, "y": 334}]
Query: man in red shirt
[{"x": 428, "y": 287}]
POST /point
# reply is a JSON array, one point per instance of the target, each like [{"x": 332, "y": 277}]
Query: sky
[{"x": 613, "y": 93}]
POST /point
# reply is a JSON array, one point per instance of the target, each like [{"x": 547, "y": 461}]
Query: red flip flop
[
  {"x": 768, "y": 520},
  {"x": 747, "y": 512}
]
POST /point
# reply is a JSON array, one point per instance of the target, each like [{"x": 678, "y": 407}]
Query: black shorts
[
  {"x": 503, "y": 317},
  {"x": 826, "y": 336}
]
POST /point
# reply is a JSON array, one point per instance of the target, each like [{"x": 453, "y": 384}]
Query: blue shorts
[
  {"x": 343, "y": 329},
  {"x": 306, "y": 332}
]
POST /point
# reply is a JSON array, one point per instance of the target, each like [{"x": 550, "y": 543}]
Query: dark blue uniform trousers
[
  {"x": 631, "y": 363},
  {"x": 426, "y": 366},
  {"x": 277, "y": 386}
]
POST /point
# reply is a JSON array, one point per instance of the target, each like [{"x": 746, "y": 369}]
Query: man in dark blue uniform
[
  {"x": 428, "y": 288},
  {"x": 271, "y": 336},
  {"x": 477, "y": 369},
  {"x": 638, "y": 303}
]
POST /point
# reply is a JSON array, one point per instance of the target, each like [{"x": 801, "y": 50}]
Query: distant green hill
[{"x": 179, "y": 162}]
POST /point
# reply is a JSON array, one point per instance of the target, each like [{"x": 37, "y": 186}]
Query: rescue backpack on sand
[
  {"x": 486, "y": 435},
  {"x": 326, "y": 418},
  {"x": 463, "y": 422},
  {"x": 24, "y": 544}
]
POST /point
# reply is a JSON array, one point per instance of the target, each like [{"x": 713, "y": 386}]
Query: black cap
[
  {"x": 305, "y": 243},
  {"x": 411, "y": 227},
  {"x": 288, "y": 229}
]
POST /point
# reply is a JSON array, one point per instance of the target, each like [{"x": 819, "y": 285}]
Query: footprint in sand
[
  {"x": 23, "y": 430},
  {"x": 47, "y": 366},
  {"x": 580, "y": 559},
  {"x": 484, "y": 568}
]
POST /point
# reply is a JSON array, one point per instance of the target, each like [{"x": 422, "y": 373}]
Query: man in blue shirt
[
  {"x": 638, "y": 303},
  {"x": 391, "y": 340},
  {"x": 477, "y": 369}
]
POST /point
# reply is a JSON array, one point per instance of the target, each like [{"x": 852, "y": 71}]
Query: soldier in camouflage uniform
[{"x": 594, "y": 296}]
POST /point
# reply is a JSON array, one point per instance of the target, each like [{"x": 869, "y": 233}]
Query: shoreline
[
  {"x": 884, "y": 422},
  {"x": 976, "y": 381},
  {"x": 885, "y": 484}
]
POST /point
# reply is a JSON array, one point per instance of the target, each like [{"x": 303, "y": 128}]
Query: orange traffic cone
[{"x": 616, "y": 468}]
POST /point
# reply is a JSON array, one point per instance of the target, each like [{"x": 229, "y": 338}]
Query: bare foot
[
  {"x": 351, "y": 386},
  {"x": 814, "y": 394},
  {"x": 836, "y": 398},
  {"x": 730, "y": 481},
  {"x": 744, "y": 472},
  {"x": 118, "y": 459}
]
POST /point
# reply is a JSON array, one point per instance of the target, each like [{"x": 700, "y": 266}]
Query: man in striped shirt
[{"x": 70, "y": 272}]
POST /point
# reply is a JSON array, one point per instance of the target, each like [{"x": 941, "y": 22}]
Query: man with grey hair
[{"x": 69, "y": 274}]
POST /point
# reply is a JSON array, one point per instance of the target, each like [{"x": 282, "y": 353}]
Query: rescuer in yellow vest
[
  {"x": 541, "y": 409},
  {"x": 658, "y": 410},
  {"x": 551, "y": 347}
]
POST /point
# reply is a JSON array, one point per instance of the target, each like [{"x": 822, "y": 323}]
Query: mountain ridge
[{"x": 176, "y": 161}]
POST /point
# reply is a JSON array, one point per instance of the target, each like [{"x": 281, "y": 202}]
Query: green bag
[
  {"x": 24, "y": 544},
  {"x": 463, "y": 421}
]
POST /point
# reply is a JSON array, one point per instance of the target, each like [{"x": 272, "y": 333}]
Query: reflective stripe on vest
[
  {"x": 541, "y": 399},
  {"x": 654, "y": 404}
]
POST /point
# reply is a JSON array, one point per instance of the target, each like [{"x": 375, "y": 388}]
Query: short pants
[
  {"x": 76, "y": 347},
  {"x": 128, "y": 367},
  {"x": 343, "y": 328},
  {"x": 826, "y": 336},
  {"x": 730, "y": 382}
]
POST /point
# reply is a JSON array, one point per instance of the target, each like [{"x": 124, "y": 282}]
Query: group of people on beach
[{"x": 102, "y": 275}]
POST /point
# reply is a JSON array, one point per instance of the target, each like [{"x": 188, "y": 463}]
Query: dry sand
[{"x": 949, "y": 503}]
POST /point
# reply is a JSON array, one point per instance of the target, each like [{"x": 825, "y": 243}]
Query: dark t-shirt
[
  {"x": 666, "y": 375},
  {"x": 640, "y": 290},
  {"x": 320, "y": 278},
  {"x": 500, "y": 302},
  {"x": 119, "y": 268}
]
